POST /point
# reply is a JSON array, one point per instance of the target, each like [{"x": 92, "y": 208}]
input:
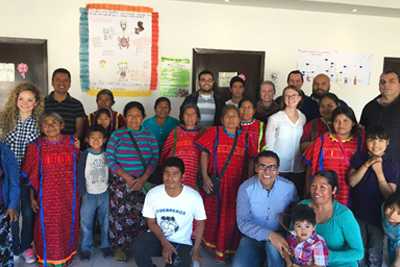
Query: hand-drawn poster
[
  {"x": 122, "y": 49},
  {"x": 342, "y": 68},
  {"x": 174, "y": 77}
]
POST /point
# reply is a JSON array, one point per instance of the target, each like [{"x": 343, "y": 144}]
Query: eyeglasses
[
  {"x": 291, "y": 96},
  {"x": 271, "y": 168}
]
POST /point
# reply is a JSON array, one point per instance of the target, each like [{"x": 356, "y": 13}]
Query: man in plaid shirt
[{"x": 307, "y": 247}]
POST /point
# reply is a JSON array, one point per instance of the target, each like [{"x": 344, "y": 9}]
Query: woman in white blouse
[{"x": 283, "y": 133}]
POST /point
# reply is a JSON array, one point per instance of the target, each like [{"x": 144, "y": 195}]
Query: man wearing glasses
[{"x": 261, "y": 202}]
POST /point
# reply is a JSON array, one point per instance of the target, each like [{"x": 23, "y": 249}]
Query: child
[
  {"x": 19, "y": 127},
  {"x": 50, "y": 164},
  {"x": 391, "y": 226},
  {"x": 93, "y": 183},
  {"x": 105, "y": 100},
  {"x": 307, "y": 247},
  {"x": 9, "y": 200},
  {"x": 373, "y": 177}
]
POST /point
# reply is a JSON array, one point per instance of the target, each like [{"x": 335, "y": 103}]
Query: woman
[
  {"x": 334, "y": 150},
  {"x": 180, "y": 143},
  {"x": 335, "y": 222},
  {"x": 161, "y": 123},
  {"x": 318, "y": 126},
  {"x": 19, "y": 126},
  {"x": 50, "y": 165},
  {"x": 283, "y": 133},
  {"x": 254, "y": 127},
  {"x": 224, "y": 153},
  {"x": 266, "y": 106},
  {"x": 132, "y": 156}
]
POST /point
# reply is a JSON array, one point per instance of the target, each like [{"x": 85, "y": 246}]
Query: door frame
[{"x": 206, "y": 51}]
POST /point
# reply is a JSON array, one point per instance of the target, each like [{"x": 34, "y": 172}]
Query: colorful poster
[
  {"x": 342, "y": 68},
  {"x": 122, "y": 50},
  {"x": 174, "y": 77}
]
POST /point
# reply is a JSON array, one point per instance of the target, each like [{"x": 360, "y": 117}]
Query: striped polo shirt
[
  {"x": 121, "y": 153},
  {"x": 206, "y": 104},
  {"x": 70, "y": 109}
]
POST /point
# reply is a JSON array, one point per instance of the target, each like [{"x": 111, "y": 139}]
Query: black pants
[{"x": 147, "y": 246}]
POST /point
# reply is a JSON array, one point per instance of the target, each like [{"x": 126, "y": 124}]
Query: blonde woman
[{"x": 19, "y": 127}]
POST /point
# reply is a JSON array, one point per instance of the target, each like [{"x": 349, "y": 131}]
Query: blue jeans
[
  {"x": 91, "y": 203},
  {"x": 252, "y": 253},
  {"x": 21, "y": 244}
]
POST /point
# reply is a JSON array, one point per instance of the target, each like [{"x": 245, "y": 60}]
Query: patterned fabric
[
  {"x": 256, "y": 130},
  {"x": 221, "y": 233},
  {"x": 186, "y": 150},
  {"x": 57, "y": 223},
  {"x": 121, "y": 153},
  {"x": 263, "y": 113},
  {"x": 207, "y": 106},
  {"x": 25, "y": 132},
  {"x": 329, "y": 153},
  {"x": 6, "y": 255},
  {"x": 308, "y": 252},
  {"x": 314, "y": 129},
  {"x": 126, "y": 220}
]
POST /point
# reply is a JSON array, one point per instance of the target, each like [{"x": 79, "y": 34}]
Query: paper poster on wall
[
  {"x": 342, "y": 68},
  {"x": 7, "y": 72},
  {"x": 122, "y": 49},
  {"x": 224, "y": 78},
  {"x": 174, "y": 77}
]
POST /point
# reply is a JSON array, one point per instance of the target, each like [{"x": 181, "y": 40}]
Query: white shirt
[
  {"x": 174, "y": 215},
  {"x": 230, "y": 102},
  {"x": 96, "y": 173},
  {"x": 283, "y": 137}
]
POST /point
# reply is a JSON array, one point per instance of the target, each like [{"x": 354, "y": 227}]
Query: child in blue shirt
[{"x": 391, "y": 226}]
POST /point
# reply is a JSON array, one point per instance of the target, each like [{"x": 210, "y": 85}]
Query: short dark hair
[
  {"x": 303, "y": 212},
  {"x": 227, "y": 108},
  {"x": 331, "y": 178},
  {"x": 246, "y": 100},
  {"x": 295, "y": 72},
  {"x": 348, "y": 112},
  {"x": 96, "y": 128},
  {"x": 377, "y": 132},
  {"x": 187, "y": 106},
  {"x": 389, "y": 71},
  {"x": 236, "y": 79},
  {"x": 203, "y": 72},
  {"x": 134, "y": 104},
  {"x": 105, "y": 92},
  {"x": 267, "y": 154},
  {"x": 332, "y": 97},
  {"x": 393, "y": 199},
  {"x": 61, "y": 70},
  {"x": 162, "y": 99},
  {"x": 174, "y": 162}
]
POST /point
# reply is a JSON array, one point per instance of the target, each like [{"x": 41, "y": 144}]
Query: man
[
  {"x": 309, "y": 108},
  {"x": 170, "y": 209},
  {"x": 69, "y": 108},
  {"x": 209, "y": 104},
  {"x": 261, "y": 201},
  {"x": 384, "y": 111},
  {"x": 266, "y": 106},
  {"x": 320, "y": 86}
]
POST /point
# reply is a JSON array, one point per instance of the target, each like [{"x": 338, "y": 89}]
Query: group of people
[{"x": 228, "y": 174}]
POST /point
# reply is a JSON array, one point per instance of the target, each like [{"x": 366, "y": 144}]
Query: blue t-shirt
[
  {"x": 160, "y": 132},
  {"x": 366, "y": 198}
]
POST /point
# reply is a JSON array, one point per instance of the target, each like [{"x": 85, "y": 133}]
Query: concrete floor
[{"x": 97, "y": 260}]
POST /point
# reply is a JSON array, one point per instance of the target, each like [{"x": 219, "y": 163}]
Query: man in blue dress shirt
[{"x": 261, "y": 201}]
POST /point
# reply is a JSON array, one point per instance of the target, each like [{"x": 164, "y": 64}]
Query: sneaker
[
  {"x": 84, "y": 255},
  {"x": 120, "y": 255},
  {"x": 28, "y": 256},
  {"x": 107, "y": 252}
]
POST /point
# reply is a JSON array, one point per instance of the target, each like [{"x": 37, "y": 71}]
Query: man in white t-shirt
[{"x": 170, "y": 210}]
